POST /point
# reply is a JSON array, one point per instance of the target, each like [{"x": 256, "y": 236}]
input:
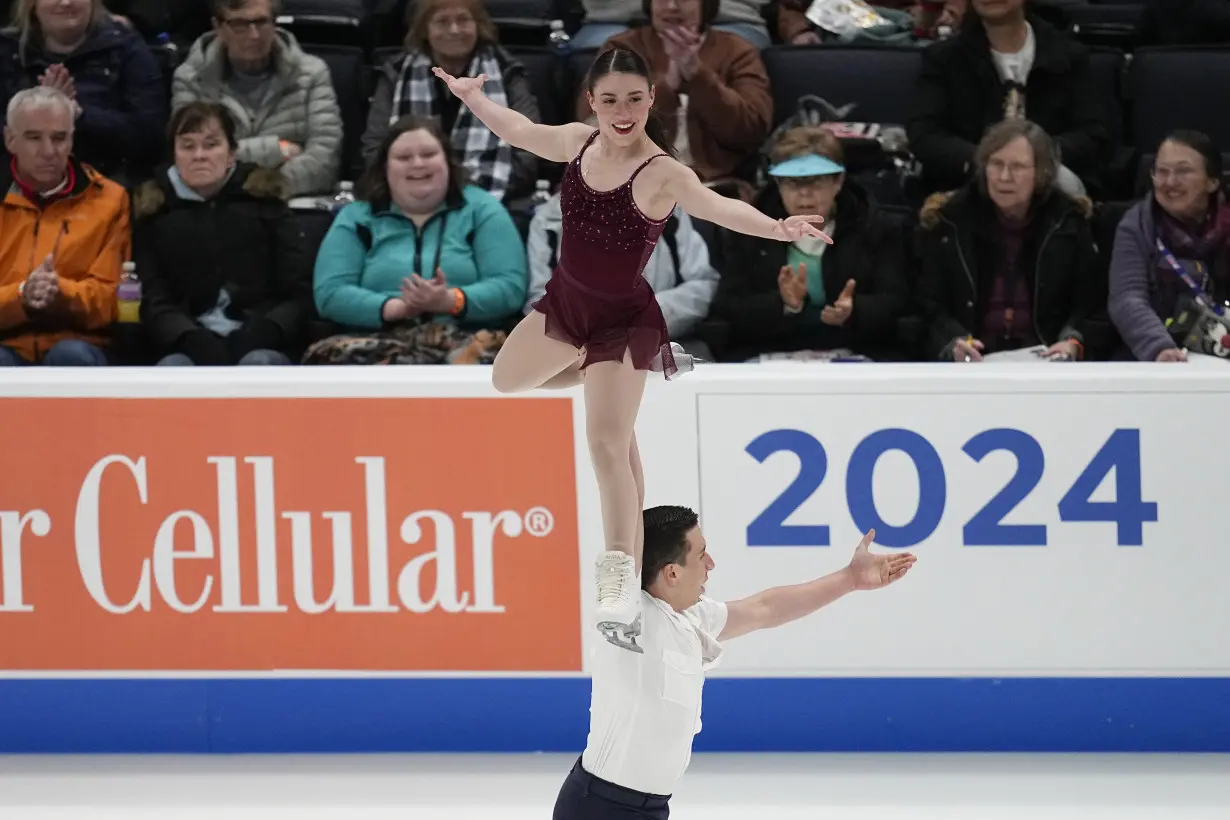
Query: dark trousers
[{"x": 585, "y": 797}]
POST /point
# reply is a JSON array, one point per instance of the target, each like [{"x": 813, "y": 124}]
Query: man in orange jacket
[{"x": 64, "y": 235}]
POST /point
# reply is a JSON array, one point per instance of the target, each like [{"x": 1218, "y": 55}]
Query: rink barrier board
[
  {"x": 1057, "y": 660},
  {"x": 551, "y": 715}
]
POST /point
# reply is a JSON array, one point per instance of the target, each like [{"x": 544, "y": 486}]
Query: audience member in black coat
[
  {"x": 1009, "y": 261},
  {"x": 777, "y": 297},
  {"x": 1006, "y": 65},
  {"x": 226, "y": 275}
]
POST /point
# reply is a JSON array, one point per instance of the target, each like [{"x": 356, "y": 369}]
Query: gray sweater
[{"x": 1134, "y": 304}]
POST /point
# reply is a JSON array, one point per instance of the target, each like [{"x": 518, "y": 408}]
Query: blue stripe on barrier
[{"x": 551, "y": 714}]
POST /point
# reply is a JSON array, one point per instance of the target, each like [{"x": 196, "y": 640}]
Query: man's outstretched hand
[{"x": 871, "y": 571}]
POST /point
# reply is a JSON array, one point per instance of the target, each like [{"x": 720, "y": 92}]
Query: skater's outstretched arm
[
  {"x": 781, "y": 605},
  {"x": 681, "y": 185},
  {"x": 557, "y": 143}
]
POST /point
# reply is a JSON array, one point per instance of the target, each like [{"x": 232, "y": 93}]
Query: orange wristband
[
  {"x": 459, "y": 301},
  {"x": 1080, "y": 349}
]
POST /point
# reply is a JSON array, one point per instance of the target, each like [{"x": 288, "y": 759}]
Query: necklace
[{"x": 616, "y": 163}]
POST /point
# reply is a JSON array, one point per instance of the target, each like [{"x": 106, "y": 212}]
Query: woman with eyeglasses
[
  {"x": 1171, "y": 247},
  {"x": 1009, "y": 261}
]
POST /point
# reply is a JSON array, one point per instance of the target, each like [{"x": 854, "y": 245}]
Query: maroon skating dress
[{"x": 597, "y": 298}]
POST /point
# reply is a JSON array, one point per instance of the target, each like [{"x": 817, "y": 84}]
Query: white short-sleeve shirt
[{"x": 645, "y": 708}]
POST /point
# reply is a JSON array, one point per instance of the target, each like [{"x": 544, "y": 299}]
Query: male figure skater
[{"x": 646, "y": 703}]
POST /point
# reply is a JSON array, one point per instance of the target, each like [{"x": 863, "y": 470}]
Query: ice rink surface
[{"x": 523, "y": 787}]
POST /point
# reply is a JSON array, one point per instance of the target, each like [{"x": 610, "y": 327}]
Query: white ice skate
[
  {"x": 618, "y": 588},
  {"x": 685, "y": 362}
]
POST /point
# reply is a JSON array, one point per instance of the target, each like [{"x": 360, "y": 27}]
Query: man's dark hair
[{"x": 666, "y": 539}]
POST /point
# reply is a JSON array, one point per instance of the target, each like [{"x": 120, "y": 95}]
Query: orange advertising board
[{"x": 427, "y": 534}]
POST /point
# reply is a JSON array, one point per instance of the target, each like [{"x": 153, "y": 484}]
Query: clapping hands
[
  {"x": 838, "y": 313},
  {"x": 41, "y": 286},
  {"x": 59, "y": 78},
  {"x": 419, "y": 295},
  {"x": 427, "y": 295}
]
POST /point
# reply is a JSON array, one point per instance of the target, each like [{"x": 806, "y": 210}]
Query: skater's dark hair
[
  {"x": 616, "y": 60},
  {"x": 373, "y": 186},
  {"x": 666, "y": 539}
]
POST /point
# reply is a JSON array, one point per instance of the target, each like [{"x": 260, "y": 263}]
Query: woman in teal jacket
[{"x": 420, "y": 244}]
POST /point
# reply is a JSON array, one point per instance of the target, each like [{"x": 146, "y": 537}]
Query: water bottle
[
  {"x": 542, "y": 194},
  {"x": 344, "y": 196},
  {"x": 164, "y": 40},
  {"x": 559, "y": 39},
  {"x": 128, "y": 295}
]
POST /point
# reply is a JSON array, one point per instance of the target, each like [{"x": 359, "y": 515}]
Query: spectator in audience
[
  {"x": 226, "y": 277},
  {"x": 1009, "y": 261},
  {"x": 420, "y": 247},
  {"x": 930, "y": 17},
  {"x": 1005, "y": 65},
  {"x": 1186, "y": 213},
  {"x": 57, "y": 286},
  {"x": 458, "y": 36},
  {"x": 807, "y": 296},
  {"x": 183, "y": 21},
  {"x": 711, "y": 89},
  {"x": 1184, "y": 22},
  {"x": 678, "y": 270},
  {"x": 606, "y": 18},
  {"x": 104, "y": 67},
  {"x": 282, "y": 98}
]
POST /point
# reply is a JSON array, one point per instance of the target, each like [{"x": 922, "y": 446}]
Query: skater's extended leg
[{"x": 530, "y": 358}]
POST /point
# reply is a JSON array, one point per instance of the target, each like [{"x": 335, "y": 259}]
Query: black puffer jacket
[{"x": 243, "y": 240}]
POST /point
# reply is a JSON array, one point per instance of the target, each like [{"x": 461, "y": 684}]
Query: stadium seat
[
  {"x": 1108, "y": 65},
  {"x": 350, "y": 82},
  {"x": 1106, "y": 24},
  {"x": 578, "y": 66},
  {"x": 327, "y": 22},
  {"x": 878, "y": 79},
  {"x": 546, "y": 79},
  {"x": 1179, "y": 87}
]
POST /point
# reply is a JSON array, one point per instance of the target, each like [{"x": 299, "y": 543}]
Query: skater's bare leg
[
  {"x": 530, "y": 358},
  {"x": 613, "y": 392},
  {"x": 570, "y": 377},
  {"x": 638, "y": 473}
]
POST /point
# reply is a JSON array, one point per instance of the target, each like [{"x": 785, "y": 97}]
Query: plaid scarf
[{"x": 487, "y": 158}]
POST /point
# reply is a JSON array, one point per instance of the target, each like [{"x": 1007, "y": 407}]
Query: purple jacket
[{"x": 1134, "y": 303}]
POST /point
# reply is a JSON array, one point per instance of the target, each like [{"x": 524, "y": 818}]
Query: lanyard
[{"x": 1198, "y": 293}]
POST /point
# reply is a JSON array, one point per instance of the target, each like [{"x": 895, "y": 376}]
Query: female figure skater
[{"x": 599, "y": 315}]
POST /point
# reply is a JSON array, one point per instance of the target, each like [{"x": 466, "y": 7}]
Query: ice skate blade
[{"x": 618, "y": 635}]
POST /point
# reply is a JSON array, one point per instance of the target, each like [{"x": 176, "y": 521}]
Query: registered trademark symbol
[{"x": 539, "y": 521}]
